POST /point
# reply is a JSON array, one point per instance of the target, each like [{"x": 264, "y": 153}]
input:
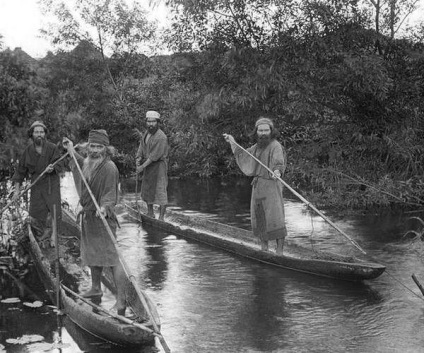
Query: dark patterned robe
[
  {"x": 155, "y": 176},
  {"x": 46, "y": 192},
  {"x": 267, "y": 203},
  {"x": 97, "y": 248}
]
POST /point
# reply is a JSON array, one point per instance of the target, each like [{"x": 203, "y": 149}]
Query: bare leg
[
  {"x": 280, "y": 246},
  {"x": 162, "y": 210},
  {"x": 264, "y": 245},
  {"x": 150, "y": 212},
  {"x": 96, "y": 290},
  {"x": 120, "y": 278}
]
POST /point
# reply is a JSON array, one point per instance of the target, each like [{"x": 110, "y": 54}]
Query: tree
[
  {"x": 22, "y": 99},
  {"x": 111, "y": 26}
]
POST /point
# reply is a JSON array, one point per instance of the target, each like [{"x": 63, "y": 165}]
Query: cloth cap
[
  {"x": 261, "y": 121},
  {"x": 99, "y": 137},
  {"x": 153, "y": 115},
  {"x": 38, "y": 123}
]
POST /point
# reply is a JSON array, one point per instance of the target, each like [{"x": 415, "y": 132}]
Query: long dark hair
[{"x": 275, "y": 134}]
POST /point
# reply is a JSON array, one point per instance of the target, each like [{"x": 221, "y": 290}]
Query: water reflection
[{"x": 213, "y": 301}]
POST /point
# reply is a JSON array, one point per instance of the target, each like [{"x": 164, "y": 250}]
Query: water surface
[{"x": 212, "y": 301}]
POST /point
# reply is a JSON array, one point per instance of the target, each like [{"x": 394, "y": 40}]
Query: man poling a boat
[
  {"x": 38, "y": 160},
  {"x": 97, "y": 248},
  {"x": 267, "y": 203}
]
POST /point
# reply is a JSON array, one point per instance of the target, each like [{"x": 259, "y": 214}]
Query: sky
[{"x": 20, "y": 21}]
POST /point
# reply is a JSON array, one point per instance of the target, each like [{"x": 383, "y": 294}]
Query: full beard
[
  {"x": 264, "y": 140},
  {"x": 152, "y": 129},
  {"x": 39, "y": 141},
  {"x": 90, "y": 165}
]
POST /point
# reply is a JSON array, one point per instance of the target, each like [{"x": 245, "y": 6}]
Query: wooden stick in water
[{"x": 418, "y": 283}]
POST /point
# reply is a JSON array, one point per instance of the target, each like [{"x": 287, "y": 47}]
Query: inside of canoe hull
[
  {"x": 242, "y": 242},
  {"x": 71, "y": 228},
  {"x": 72, "y": 275}
]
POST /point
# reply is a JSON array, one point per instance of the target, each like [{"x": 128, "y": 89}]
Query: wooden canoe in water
[
  {"x": 242, "y": 242},
  {"x": 82, "y": 314}
]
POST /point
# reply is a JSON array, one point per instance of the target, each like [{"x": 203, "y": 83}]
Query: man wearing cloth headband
[
  {"x": 152, "y": 160},
  {"x": 267, "y": 203},
  {"x": 38, "y": 156},
  {"x": 97, "y": 248}
]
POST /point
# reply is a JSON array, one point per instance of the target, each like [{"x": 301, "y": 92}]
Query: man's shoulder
[
  {"x": 110, "y": 165},
  {"x": 51, "y": 145},
  {"x": 161, "y": 135},
  {"x": 274, "y": 143}
]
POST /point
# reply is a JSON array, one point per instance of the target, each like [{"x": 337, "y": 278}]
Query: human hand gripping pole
[
  {"x": 230, "y": 139},
  {"x": 18, "y": 195},
  {"x": 69, "y": 145}
]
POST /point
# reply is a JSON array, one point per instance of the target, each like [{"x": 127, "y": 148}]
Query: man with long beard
[
  {"x": 38, "y": 156},
  {"x": 97, "y": 248},
  {"x": 267, "y": 203},
  {"x": 153, "y": 152}
]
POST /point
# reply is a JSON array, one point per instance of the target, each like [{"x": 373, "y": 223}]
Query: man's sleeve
[
  {"x": 245, "y": 162},
  {"x": 109, "y": 196},
  {"x": 279, "y": 159},
  {"x": 159, "y": 149}
]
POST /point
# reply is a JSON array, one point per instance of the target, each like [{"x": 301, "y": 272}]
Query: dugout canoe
[
  {"x": 242, "y": 242},
  {"x": 91, "y": 320}
]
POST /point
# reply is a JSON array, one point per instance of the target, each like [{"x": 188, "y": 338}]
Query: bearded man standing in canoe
[
  {"x": 267, "y": 203},
  {"x": 153, "y": 152},
  {"x": 97, "y": 248},
  {"x": 39, "y": 156}
]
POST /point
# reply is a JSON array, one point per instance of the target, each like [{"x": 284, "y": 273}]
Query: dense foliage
[{"x": 345, "y": 92}]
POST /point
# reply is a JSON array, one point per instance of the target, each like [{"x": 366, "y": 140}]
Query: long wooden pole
[
  {"x": 124, "y": 265},
  {"x": 33, "y": 183},
  {"x": 136, "y": 189},
  {"x": 306, "y": 202},
  {"x": 417, "y": 282},
  {"x": 57, "y": 269},
  {"x": 56, "y": 244}
]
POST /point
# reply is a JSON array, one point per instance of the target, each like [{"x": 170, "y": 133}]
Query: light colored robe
[
  {"x": 97, "y": 247},
  {"x": 155, "y": 176},
  {"x": 267, "y": 203}
]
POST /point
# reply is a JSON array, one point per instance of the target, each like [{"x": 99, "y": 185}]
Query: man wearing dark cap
[
  {"x": 97, "y": 248},
  {"x": 152, "y": 160},
  {"x": 267, "y": 203},
  {"x": 38, "y": 156}
]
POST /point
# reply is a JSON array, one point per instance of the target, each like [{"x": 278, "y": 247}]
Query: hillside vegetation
[{"x": 344, "y": 88}]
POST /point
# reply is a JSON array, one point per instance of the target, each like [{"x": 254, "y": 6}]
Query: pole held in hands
[
  {"x": 306, "y": 202},
  {"x": 124, "y": 265},
  {"x": 33, "y": 183}
]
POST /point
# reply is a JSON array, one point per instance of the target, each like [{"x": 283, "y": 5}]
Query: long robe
[
  {"x": 267, "y": 203},
  {"x": 155, "y": 176},
  {"x": 97, "y": 248},
  {"x": 46, "y": 192}
]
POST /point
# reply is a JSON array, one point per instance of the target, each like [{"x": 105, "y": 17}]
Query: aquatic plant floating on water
[
  {"x": 46, "y": 347},
  {"x": 36, "y": 304},
  {"x": 25, "y": 339},
  {"x": 11, "y": 300}
]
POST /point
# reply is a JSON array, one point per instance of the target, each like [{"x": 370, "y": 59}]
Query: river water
[{"x": 212, "y": 301}]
